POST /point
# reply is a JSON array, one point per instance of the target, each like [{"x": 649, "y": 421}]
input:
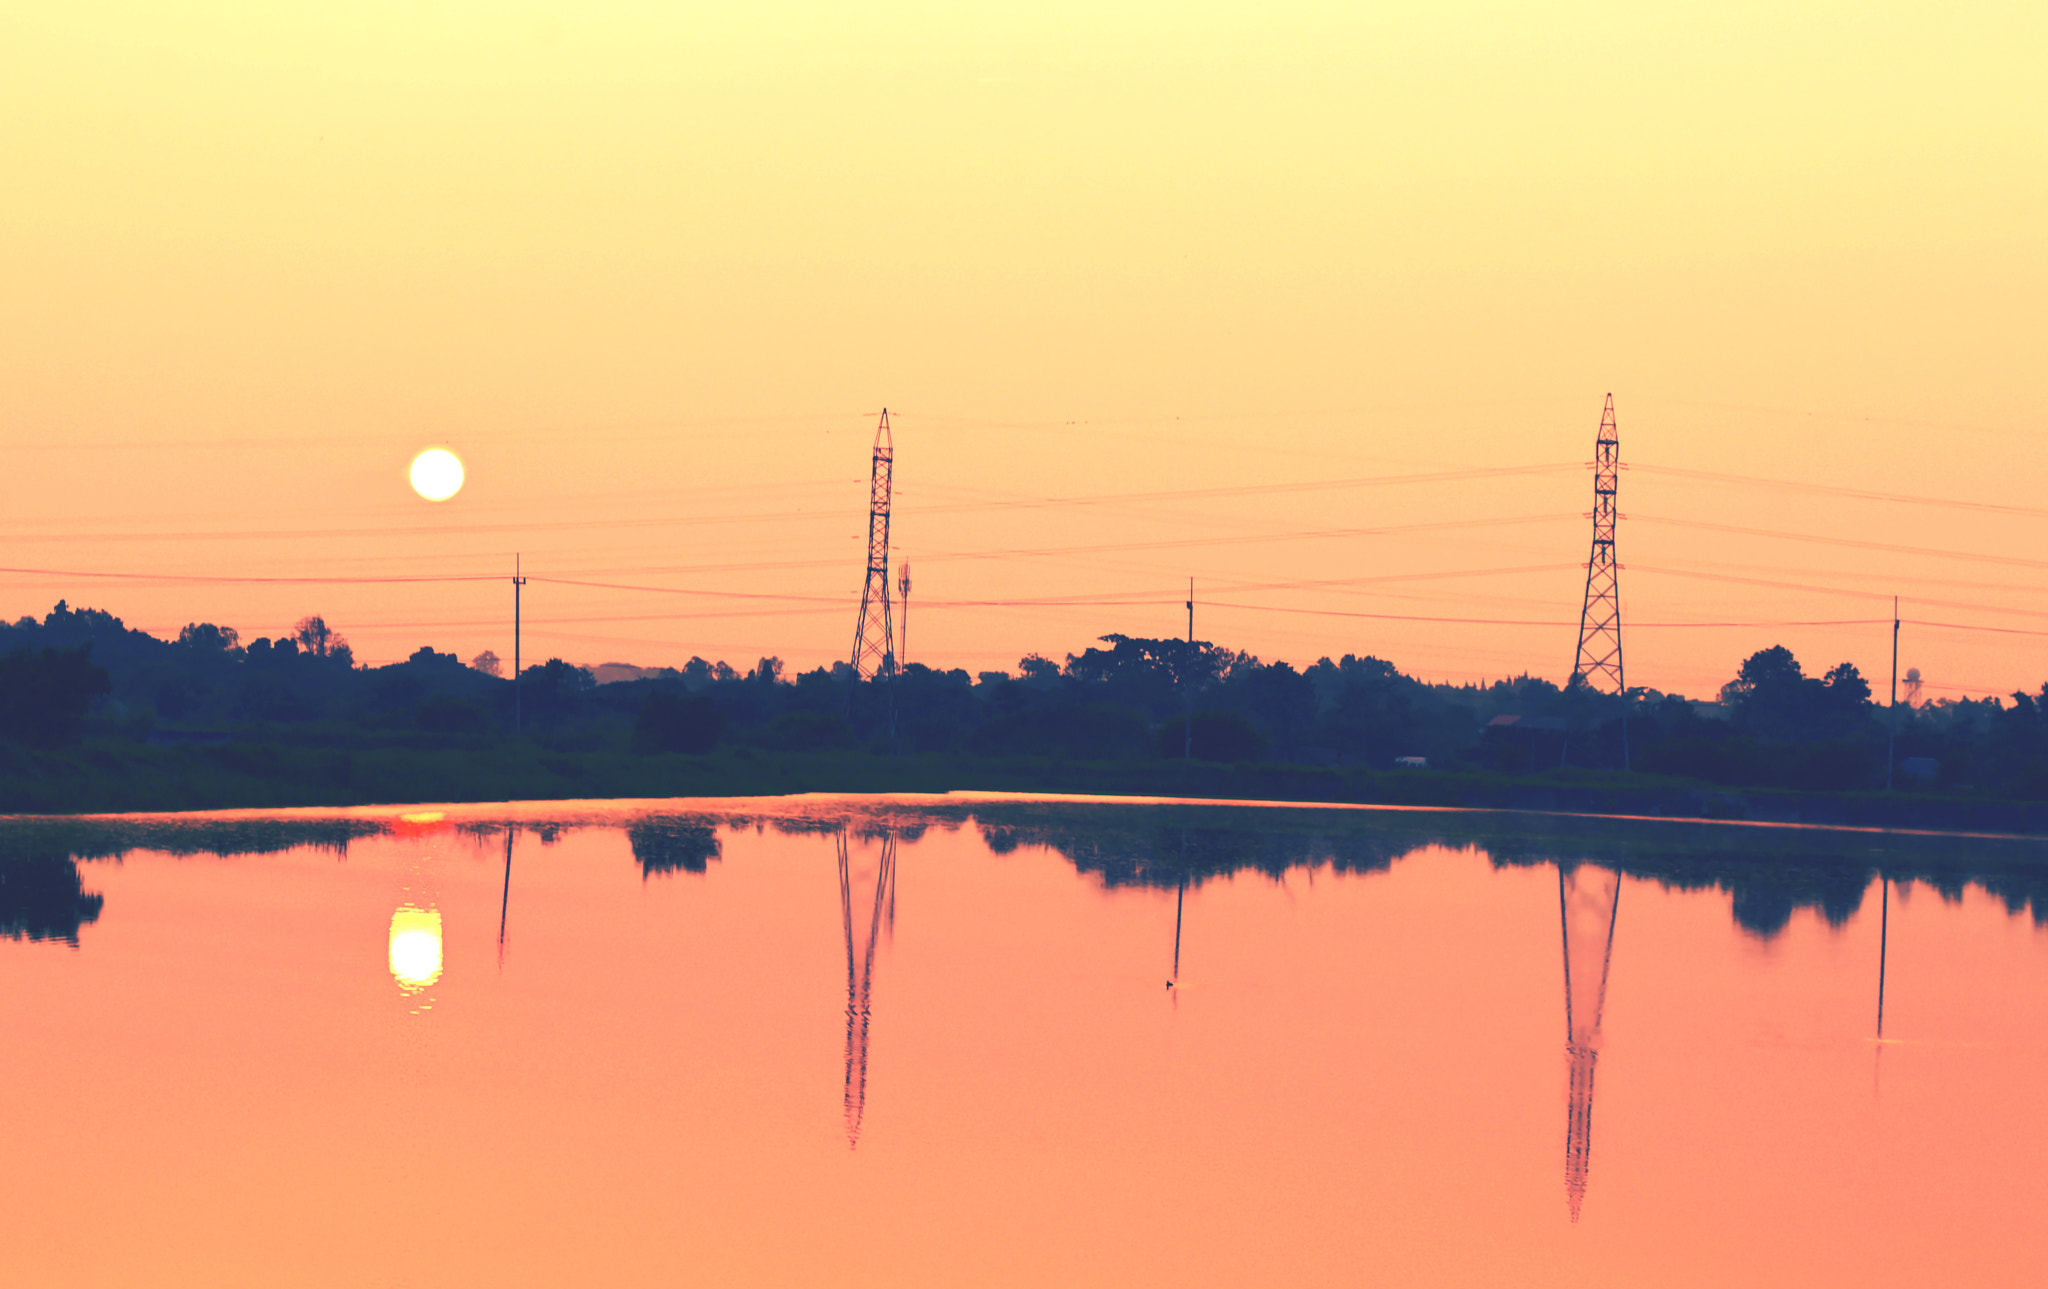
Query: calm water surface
[{"x": 1001, "y": 1042}]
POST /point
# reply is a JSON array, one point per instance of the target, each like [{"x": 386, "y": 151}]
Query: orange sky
[{"x": 653, "y": 274}]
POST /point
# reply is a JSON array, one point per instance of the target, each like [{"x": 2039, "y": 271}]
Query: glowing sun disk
[{"x": 436, "y": 474}]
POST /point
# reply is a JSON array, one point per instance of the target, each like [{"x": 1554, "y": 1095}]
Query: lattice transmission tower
[
  {"x": 874, "y": 639},
  {"x": 1598, "y": 663}
]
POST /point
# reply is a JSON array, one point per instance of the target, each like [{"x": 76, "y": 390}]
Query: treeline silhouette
[{"x": 81, "y": 673}]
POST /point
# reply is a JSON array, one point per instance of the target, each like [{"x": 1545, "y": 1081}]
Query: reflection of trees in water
[
  {"x": 1769, "y": 874},
  {"x": 1159, "y": 855},
  {"x": 42, "y": 898},
  {"x": 114, "y": 838},
  {"x": 1767, "y": 884},
  {"x": 667, "y": 845},
  {"x": 1765, "y": 890}
]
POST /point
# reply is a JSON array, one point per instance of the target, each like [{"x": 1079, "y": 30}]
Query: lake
[{"x": 1006, "y": 1041}]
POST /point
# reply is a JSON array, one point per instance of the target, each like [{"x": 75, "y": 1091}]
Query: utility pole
[
  {"x": 517, "y": 582},
  {"x": 1891, "y": 735},
  {"x": 1187, "y": 688},
  {"x": 1598, "y": 661}
]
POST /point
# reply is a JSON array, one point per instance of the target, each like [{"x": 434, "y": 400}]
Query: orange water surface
[{"x": 933, "y": 1048}]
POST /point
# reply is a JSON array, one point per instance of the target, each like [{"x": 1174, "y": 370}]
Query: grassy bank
[{"x": 110, "y": 775}]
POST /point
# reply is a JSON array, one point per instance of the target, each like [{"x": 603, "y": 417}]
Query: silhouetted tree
[
  {"x": 1772, "y": 697},
  {"x": 205, "y": 637}
]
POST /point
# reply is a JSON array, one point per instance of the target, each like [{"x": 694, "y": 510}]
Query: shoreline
[{"x": 105, "y": 778}]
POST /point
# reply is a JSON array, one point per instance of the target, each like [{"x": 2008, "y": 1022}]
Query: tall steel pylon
[
  {"x": 874, "y": 640},
  {"x": 1598, "y": 662}
]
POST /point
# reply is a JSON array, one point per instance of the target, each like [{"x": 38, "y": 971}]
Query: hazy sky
[{"x": 653, "y": 272}]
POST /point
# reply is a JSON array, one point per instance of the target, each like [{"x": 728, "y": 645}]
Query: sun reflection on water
[{"x": 415, "y": 947}]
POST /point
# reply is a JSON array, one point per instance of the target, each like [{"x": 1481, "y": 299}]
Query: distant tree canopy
[
  {"x": 208, "y": 638},
  {"x": 1773, "y": 698},
  {"x": 321, "y": 641},
  {"x": 1123, "y": 697}
]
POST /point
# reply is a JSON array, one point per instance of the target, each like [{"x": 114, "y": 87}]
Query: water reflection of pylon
[
  {"x": 856, "y": 878},
  {"x": 1588, "y": 901}
]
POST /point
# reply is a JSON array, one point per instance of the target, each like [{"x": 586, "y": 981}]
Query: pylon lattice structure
[
  {"x": 874, "y": 640},
  {"x": 1598, "y": 664},
  {"x": 1588, "y": 900},
  {"x": 867, "y": 911}
]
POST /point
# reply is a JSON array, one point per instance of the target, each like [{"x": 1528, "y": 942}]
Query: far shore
[{"x": 110, "y": 776}]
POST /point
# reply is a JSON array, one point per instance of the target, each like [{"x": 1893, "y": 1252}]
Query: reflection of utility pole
[
  {"x": 1884, "y": 935},
  {"x": 1180, "y": 900},
  {"x": 1884, "y": 929},
  {"x": 1588, "y": 900},
  {"x": 505, "y": 902},
  {"x": 880, "y": 906},
  {"x": 517, "y": 582}
]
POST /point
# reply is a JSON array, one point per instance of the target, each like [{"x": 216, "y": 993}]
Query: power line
[
  {"x": 223, "y": 578},
  {"x": 1830, "y": 590},
  {"x": 1534, "y": 622},
  {"x": 1851, "y": 542},
  {"x": 1256, "y": 489},
  {"x": 1833, "y": 490}
]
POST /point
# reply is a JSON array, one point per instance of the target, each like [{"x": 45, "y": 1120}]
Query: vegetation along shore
[{"x": 96, "y": 717}]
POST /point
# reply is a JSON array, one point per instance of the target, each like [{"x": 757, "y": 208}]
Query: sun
[{"x": 436, "y": 474}]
